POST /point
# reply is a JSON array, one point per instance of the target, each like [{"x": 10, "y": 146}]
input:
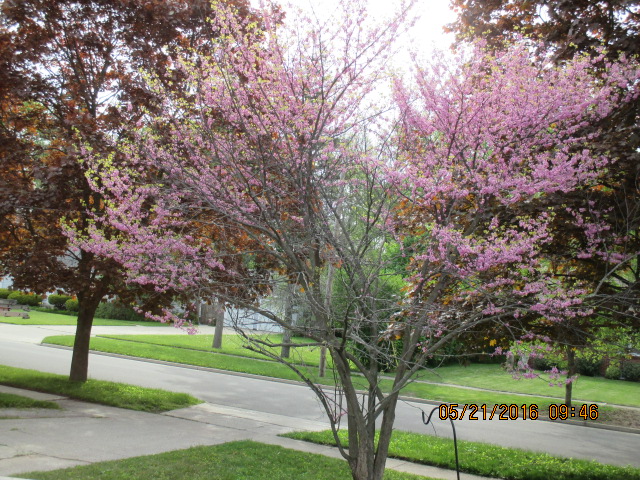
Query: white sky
[
  {"x": 433, "y": 15},
  {"x": 425, "y": 35}
]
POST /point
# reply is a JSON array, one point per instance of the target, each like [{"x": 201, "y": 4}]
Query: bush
[
  {"x": 118, "y": 311},
  {"x": 612, "y": 373},
  {"x": 71, "y": 305},
  {"x": 58, "y": 301},
  {"x": 589, "y": 367},
  {"x": 22, "y": 298},
  {"x": 543, "y": 363},
  {"x": 630, "y": 371},
  {"x": 451, "y": 353},
  {"x": 5, "y": 292}
]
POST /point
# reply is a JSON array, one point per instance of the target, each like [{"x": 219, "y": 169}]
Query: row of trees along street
[{"x": 255, "y": 154}]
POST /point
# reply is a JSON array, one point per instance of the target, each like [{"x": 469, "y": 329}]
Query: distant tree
[{"x": 69, "y": 80}]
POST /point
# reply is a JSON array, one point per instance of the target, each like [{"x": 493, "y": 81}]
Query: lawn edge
[{"x": 582, "y": 423}]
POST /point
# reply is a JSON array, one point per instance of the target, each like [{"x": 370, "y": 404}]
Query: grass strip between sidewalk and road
[
  {"x": 184, "y": 356},
  {"x": 482, "y": 376},
  {"x": 229, "y": 461},
  {"x": 234, "y": 363},
  {"x": 486, "y": 459},
  {"x": 231, "y": 345},
  {"x": 9, "y": 400},
  {"x": 97, "y": 391}
]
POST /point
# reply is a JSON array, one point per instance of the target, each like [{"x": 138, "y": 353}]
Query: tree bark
[
  {"x": 285, "y": 350},
  {"x": 87, "y": 305},
  {"x": 322, "y": 367},
  {"x": 572, "y": 370},
  {"x": 199, "y": 312},
  {"x": 384, "y": 438},
  {"x": 218, "y": 312}
]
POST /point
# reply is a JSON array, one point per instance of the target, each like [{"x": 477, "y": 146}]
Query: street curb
[{"x": 404, "y": 398}]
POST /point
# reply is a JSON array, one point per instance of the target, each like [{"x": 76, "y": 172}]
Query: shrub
[
  {"x": 543, "y": 363},
  {"x": 15, "y": 296},
  {"x": 589, "y": 367},
  {"x": 612, "y": 373},
  {"x": 118, "y": 311},
  {"x": 630, "y": 371},
  {"x": 58, "y": 301},
  {"x": 22, "y": 298},
  {"x": 5, "y": 292},
  {"x": 71, "y": 305},
  {"x": 448, "y": 355}
]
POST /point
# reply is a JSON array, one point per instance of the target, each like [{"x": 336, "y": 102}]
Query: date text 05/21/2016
[{"x": 471, "y": 411}]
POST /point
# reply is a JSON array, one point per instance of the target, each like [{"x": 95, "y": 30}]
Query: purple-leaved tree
[
  {"x": 490, "y": 146},
  {"x": 288, "y": 147}
]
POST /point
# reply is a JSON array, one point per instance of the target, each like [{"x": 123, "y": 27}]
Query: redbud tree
[{"x": 286, "y": 143}]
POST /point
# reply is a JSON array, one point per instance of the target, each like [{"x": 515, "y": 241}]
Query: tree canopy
[
  {"x": 605, "y": 31},
  {"x": 71, "y": 80},
  {"x": 289, "y": 148}
]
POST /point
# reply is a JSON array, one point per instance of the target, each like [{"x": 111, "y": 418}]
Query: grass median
[
  {"x": 235, "y": 460},
  {"x": 9, "y": 400},
  {"x": 483, "y": 376},
  {"x": 485, "y": 459},
  {"x": 165, "y": 351},
  {"x": 231, "y": 345},
  {"x": 97, "y": 391}
]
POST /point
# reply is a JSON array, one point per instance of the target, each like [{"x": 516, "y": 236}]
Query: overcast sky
[{"x": 433, "y": 15}]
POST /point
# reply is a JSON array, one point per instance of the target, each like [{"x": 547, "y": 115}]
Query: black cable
[{"x": 455, "y": 439}]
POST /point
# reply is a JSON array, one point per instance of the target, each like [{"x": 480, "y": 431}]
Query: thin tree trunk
[
  {"x": 365, "y": 459},
  {"x": 360, "y": 426},
  {"x": 322, "y": 368},
  {"x": 87, "y": 306},
  {"x": 199, "y": 312},
  {"x": 384, "y": 438},
  {"x": 285, "y": 350},
  {"x": 218, "y": 312},
  {"x": 572, "y": 370}
]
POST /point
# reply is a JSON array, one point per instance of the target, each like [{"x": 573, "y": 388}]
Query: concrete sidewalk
[{"x": 82, "y": 433}]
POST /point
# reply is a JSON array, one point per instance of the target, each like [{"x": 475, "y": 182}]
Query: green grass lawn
[
  {"x": 487, "y": 460},
  {"x": 444, "y": 393},
  {"x": 9, "y": 400},
  {"x": 491, "y": 377},
  {"x": 594, "y": 389},
  {"x": 231, "y": 345},
  {"x": 231, "y": 461},
  {"x": 45, "y": 318},
  {"x": 97, "y": 391}
]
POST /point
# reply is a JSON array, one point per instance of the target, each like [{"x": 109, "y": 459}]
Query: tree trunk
[
  {"x": 572, "y": 370},
  {"x": 384, "y": 438},
  {"x": 322, "y": 368},
  {"x": 285, "y": 350},
  {"x": 364, "y": 462},
  {"x": 87, "y": 306},
  {"x": 218, "y": 312},
  {"x": 199, "y": 312}
]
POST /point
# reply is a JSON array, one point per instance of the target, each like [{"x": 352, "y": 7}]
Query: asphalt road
[{"x": 17, "y": 348}]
